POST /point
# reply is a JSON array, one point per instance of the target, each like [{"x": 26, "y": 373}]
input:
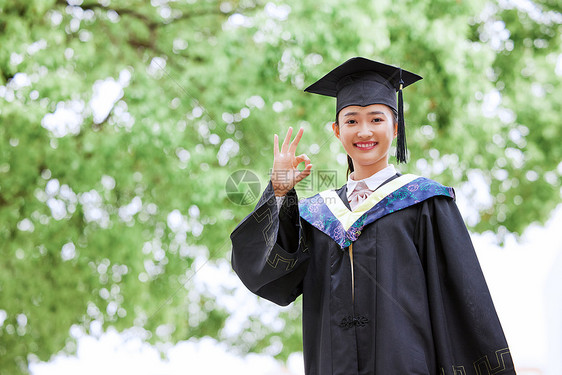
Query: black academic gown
[{"x": 420, "y": 303}]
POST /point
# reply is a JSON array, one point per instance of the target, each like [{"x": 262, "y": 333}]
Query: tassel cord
[{"x": 401, "y": 147}]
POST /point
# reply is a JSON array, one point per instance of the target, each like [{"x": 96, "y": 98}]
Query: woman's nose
[{"x": 364, "y": 130}]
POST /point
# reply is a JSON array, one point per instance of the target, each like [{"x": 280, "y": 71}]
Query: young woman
[{"x": 389, "y": 277}]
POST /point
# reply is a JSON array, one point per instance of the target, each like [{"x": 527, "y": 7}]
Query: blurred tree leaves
[{"x": 108, "y": 200}]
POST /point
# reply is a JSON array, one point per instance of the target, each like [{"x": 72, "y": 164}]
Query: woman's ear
[
  {"x": 395, "y": 129},
  {"x": 336, "y": 130}
]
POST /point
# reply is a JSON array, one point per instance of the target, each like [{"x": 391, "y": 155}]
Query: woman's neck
[{"x": 363, "y": 172}]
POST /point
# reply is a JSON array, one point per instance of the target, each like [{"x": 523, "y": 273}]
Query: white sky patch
[
  {"x": 7, "y": 94},
  {"x": 255, "y": 101},
  {"x": 538, "y": 90},
  {"x": 22, "y": 320},
  {"x": 226, "y": 7},
  {"x": 520, "y": 279},
  {"x": 106, "y": 93},
  {"x": 16, "y": 58},
  {"x": 61, "y": 200},
  {"x": 56, "y": 17},
  {"x": 280, "y": 12},
  {"x": 181, "y": 224},
  {"x": 197, "y": 112},
  {"x": 122, "y": 117},
  {"x": 127, "y": 212},
  {"x": 180, "y": 44},
  {"x": 26, "y": 225},
  {"x": 228, "y": 117},
  {"x": 52, "y": 187},
  {"x": 533, "y": 10},
  {"x": 278, "y": 107},
  {"x": 218, "y": 280},
  {"x": 57, "y": 207},
  {"x": 196, "y": 227},
  {"x": 495, "y": 33},
  {"x": 108, "y": 182},
  {"x": 490, "y": 103},
  {"x": 474, "y": 196},
  {"x": 68, "y": 251},
  {"x": 177, "y": 222},
  {"x": 126, "y": 353},
  {"x": 288, "y": 66},
  {"x": 3, "y": 316},
  {"x": 157, "y": 67},
  {"x": 19, "y": 80},
  {"x": 183, "y": 155},
  {"x": 215, "y": 278},
  {"x": 228, "y": 149},
  {"x": 515, "y": 135},
  {"x": 558, "y": 68},
  {"x": 67, "y": 118},
  {"x": 239, "y": 20},
  {"x": 214, "y": 139},
  {"x": 341, "y": 158},
  {"x": 313, "y": 59},
  {"x": 194, "y": 211},
  {"x": 506, "y": 115},
  {"x": 124, "y": 78},
  {"x": 245, "y": 112},
  {"x": 37, "y": 46},
  {"x": 92, "y": 204}
]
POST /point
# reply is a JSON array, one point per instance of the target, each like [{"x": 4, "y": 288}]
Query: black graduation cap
[{"x": 360, "y": 81}]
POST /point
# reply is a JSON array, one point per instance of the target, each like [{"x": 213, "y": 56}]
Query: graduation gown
[{"x": 409, "y": 298}]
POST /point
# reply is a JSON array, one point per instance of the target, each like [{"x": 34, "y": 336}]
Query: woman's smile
[{"x": 365, "y": 145}]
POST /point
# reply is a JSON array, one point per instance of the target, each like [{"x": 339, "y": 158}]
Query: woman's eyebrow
[{"x": 370, "y": 113}]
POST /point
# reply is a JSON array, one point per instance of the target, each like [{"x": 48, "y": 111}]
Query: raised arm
[{"x": 268, "y": 246}]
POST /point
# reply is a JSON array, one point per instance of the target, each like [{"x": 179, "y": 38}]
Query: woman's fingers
[
  {"x": 296, "y": 141},
  {"x": 285, "y": 145},
  {"x": 289, "y": 146},
  {"x": 301, "y": 158},
  {"x": 305, "y": 172},
  {"x": 275, "y": 145},
  {"x": 307, "y": 167}
]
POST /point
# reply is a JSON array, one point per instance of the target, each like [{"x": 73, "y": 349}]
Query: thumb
[
  {"x": 299, "y": 159},
  {"x": 305, "y": 172}
]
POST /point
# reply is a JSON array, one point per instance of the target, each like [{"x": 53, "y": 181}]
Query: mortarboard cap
[{"x": 360, "y": 81}]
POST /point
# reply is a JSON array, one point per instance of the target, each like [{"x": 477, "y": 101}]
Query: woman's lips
[{"x": 365, "y": 145}]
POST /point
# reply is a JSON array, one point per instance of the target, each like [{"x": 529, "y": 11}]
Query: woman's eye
[
  {"x": 350, "y": 122},
  {"x": 377, "y": 120}
]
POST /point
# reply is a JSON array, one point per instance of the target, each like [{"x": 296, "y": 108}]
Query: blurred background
[{"x": 135, "y": 135}]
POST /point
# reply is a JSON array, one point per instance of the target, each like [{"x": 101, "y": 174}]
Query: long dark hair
[{"x": 350, "y": 168}]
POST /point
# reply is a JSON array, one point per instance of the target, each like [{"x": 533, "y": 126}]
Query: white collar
[{"x": 373, "y": 182}]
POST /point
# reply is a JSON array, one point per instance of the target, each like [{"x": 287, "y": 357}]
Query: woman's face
[{"x": 366, "y": 134}]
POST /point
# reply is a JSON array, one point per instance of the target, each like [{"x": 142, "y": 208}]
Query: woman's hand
[{"x": 285, "y": 174}]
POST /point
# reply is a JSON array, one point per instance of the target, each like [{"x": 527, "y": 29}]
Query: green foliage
[{"x": 86, "y": 233}]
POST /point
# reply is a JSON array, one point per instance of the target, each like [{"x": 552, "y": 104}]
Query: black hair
[{"x": 350, "y": 168}]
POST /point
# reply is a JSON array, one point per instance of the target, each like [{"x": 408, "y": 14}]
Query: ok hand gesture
[{"x": 285, "y": 174}]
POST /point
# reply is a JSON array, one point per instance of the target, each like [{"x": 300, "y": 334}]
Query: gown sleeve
[
  {"x": 467, "y": 332},
  {"x": 269, "y": 252}
]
